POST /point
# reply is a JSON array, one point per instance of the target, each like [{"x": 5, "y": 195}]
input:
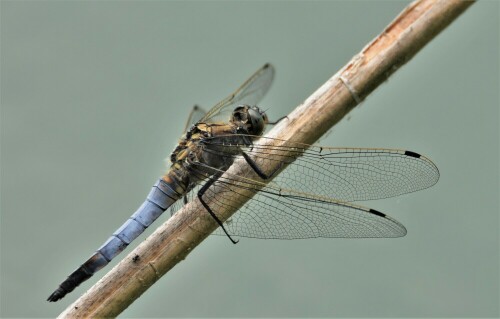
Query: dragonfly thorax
[{"x": 251, "y": 118}]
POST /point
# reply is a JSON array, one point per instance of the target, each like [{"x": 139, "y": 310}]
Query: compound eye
[
  {"x": 257, "y": 121},
  {"x": 239, "y": 114},
  {"x": 265, "y": 118}
]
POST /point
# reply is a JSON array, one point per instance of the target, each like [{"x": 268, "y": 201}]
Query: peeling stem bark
[{"x": 417, "y": 25}]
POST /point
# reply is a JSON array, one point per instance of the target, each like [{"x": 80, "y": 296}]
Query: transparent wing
[
  {"x": 196, "y": 114},
  {"x": 287, "y": 214},
  {"x": 188, "y": 197},
  {"x": 342, "y": 174},
  {"x": 250, "y": 93}
]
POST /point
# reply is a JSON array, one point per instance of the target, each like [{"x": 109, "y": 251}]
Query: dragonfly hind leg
[
  {"x": 257, "y": 169},
  {"x": 201, "y": 192}
]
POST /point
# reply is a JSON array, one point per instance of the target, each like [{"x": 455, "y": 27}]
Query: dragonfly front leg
[
  {"x": 201, "y": 192},
  {"x": 257, "y": 169},
  {"x": 278, "y": 120}
]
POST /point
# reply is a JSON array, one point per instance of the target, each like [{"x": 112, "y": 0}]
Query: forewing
[
  {"x": 342, "y": 174},
  {"x": 250, "y": 93}
]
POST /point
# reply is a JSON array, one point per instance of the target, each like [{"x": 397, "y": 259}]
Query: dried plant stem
[{"x": 172, "y": 241}]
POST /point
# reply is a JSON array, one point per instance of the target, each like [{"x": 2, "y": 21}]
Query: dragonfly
[{"x": 312, "y": 196}]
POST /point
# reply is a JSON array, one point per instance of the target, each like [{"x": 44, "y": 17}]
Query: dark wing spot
[
  {"x": 412, "y": 154},
  {"x": 376, "y": 212}
]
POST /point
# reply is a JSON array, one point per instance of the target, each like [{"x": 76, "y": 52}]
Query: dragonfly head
[{"x": 251, "y": 117}]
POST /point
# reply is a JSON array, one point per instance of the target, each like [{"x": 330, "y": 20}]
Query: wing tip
[
  {"x": 399, "y": 229},
  {"x": 269, "y": 66},
  {"x": 430, "y": 164}
]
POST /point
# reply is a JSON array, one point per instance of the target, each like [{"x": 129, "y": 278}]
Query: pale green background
[{"x": 94, "y": 97}]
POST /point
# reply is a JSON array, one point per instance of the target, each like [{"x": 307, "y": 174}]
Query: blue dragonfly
[{"x": 311, "y": 197}]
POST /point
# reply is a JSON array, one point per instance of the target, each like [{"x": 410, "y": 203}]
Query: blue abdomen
[{"x": 161, "y": 197}]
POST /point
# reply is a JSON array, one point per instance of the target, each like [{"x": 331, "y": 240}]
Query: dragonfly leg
[
  {"x": 257, "y": 169},
  {"x": 201, "y": 192},
  {"x": 278, "y": 120}
]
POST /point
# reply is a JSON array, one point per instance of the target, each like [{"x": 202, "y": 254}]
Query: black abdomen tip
[
  {"x": 412, "y": 154},
  {"x": 57, "y": 295}
]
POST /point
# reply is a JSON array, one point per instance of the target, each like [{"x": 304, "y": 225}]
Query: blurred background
[{"x": 94, "y": 96}]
